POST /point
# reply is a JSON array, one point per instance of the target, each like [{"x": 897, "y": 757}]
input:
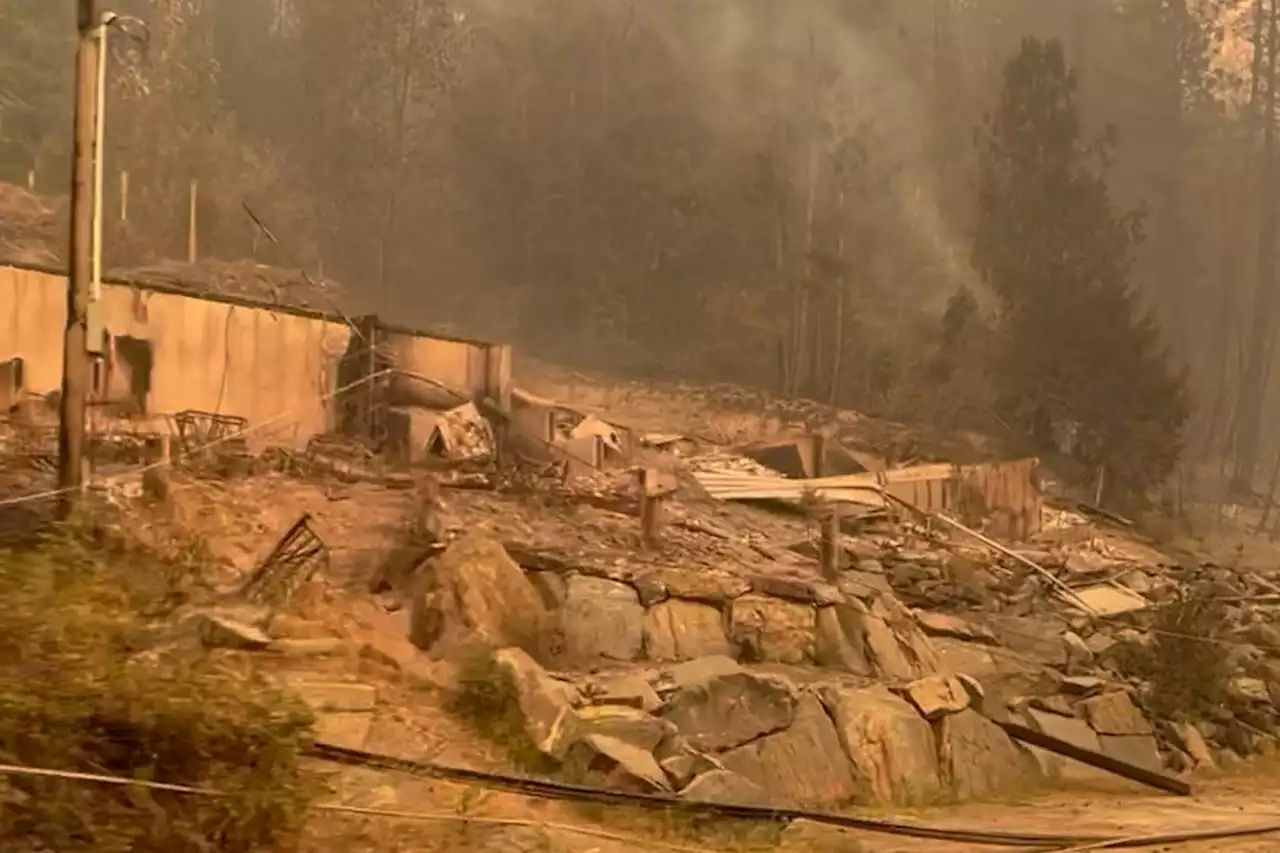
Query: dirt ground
[{"x": 1248, "y": 799}]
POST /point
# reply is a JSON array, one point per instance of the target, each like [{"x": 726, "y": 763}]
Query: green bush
[{"x": 86, "y": 685}]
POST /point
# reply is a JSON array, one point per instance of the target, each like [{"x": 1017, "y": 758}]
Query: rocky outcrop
[
  {"x": 978, "y": 760},
  {"x": 723, "y": 732},
  {"x": 803, "y": 765},
  {"x": 891, "y": 748},
  {"x": 602, "y": 619},
  {"x": 764, "y": 628},
  {"x": 475, "y": 592},
  {"x": 677, "y": 629},
  {"x": 726, "y": 710}
]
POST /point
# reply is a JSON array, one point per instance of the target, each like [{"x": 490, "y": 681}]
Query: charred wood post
[
  {"x": 654, "y": 490},
  {"x": 831, "y": 551}
]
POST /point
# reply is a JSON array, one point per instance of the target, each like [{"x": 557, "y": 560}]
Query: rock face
[
  {"x": 474, "y": 591},
  {"x": 891, "y": 747},
  {"x": 804, "y": 765},
  {"x": 683, "y": 630},
  {"x": 770, "y": 629},
  {"x": 979, "y": 760},
  {"x": 727, "y": 710},
  {"x": 602, "y": 619}
]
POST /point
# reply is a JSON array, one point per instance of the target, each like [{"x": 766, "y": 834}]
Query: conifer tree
[{"x": 1074, "y": 346}]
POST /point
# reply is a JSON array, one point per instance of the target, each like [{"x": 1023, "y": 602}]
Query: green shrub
[{"x": 86, "y": 686}]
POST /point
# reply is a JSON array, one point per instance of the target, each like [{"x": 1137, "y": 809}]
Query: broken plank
[{"x": 1141, "y": 775}]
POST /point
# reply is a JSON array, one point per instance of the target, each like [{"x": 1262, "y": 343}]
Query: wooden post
[
  {"x": 654, "y": 489},
  {"x": 75, "y": 355},
  {"x": 124, "y": 195},
  {"x": 192, "y": 233},
  {"x": 831, "y": 551}
]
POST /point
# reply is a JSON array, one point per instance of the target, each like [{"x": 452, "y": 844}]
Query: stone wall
[
  {"x": 711, "y": 729},
  {"x": 613, "y": 613}
]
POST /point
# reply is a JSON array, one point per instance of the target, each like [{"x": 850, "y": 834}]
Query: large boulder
[
  {"x": 683, "y": 630},
  {"x": 546, "y": 705},
  {"x": 474, "y": 592},
  {"x": 728, "y": 709},
  {"x": 890, "y": 747},
  {"x": 773, "y": 629},
  {"x": 602, "y": 619},
  {"x": 803, "y": 765},
  {"x": 978, "y": 760}
]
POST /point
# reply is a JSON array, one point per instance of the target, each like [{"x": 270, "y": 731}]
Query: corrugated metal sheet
[{"x": 1006, "y": 495}]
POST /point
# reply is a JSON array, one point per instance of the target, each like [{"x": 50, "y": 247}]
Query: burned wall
[{"x": 275, "y": 367}]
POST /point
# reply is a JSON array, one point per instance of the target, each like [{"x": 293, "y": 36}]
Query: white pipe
[{"x": 99, "y": 133}]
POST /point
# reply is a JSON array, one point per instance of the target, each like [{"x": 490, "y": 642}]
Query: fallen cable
[
  {"x": 555, "y": 790},
  {"x": 546, "y": 789}
]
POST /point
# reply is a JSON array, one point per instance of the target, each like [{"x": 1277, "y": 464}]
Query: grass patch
[{"x": 84, "y": 686}]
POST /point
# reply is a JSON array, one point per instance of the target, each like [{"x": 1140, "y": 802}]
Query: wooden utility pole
[{"x": 75, "y": 356}]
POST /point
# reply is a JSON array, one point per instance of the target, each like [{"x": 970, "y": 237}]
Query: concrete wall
[{"x": 277, "y": 368}]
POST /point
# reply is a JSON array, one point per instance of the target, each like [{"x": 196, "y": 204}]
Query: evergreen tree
[{"x": 1074, "y": 345}]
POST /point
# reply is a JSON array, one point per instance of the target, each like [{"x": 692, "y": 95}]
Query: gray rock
[
  {"x": 803, "y": 765},
  {"x": 1115, "y": 714},
  {"x": 613, "y": 763},
  {"x": 936, "y": 696},
  {"x": 1192, "y": 741},
  {"x": 887, "y": 656},
  {"x": 630, "y": 725},
  {"x": 726, "y": 787},
  {"x": 839, "y": 641},
  {"x": 727, "y": 710},
  {"x": 683, "y": 630},
  {"x": 630, "y": 690},
  {"x": 978, "y": 760},
  {"x": 918, "y": 649},
  {"x": 681, "y": 762},
  {"x": 546, "y": 705},
  {"x": 476, "y": 592},
  {"x": 891, "y": 748},
  {"x": 864, "y": 586},
  {"x": 1072, "y": 730},
  {"x": 602, "y": 619},
  {"x": 772, "y": 629},
  {"x": 1076, "y": 652},
  {"x": 710, "y": 587},
  {"x": 650, "y": 588},
  {"x": 698, "y": 671},
  {"x": 1138, "y": 750},
  {"x": 946, "y": 625}
]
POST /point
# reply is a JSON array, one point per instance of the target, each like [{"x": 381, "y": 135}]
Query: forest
[{"x": 988, "y": 214}]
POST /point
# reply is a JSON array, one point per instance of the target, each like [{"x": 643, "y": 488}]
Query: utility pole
[{"x": 75, "y": 356}]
